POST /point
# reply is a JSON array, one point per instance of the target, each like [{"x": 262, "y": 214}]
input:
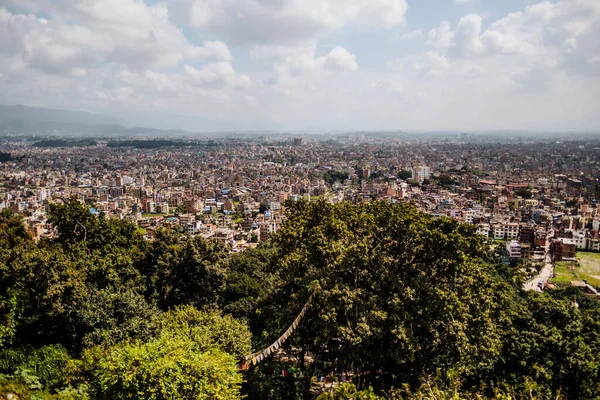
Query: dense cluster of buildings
[{"x": 535, "y": 195}]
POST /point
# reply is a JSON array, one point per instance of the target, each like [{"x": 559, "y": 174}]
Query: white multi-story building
[
  {"x": 593, "y": 244},
  {"x": 483, "y": 229},
  {"x": 514, "y": 249},
  {"x": 506, "y": 230},
  {"x": 403, "y": 191},
  {"x": 268, "y": 229},
  {"x": 185, "y": 219},
  {"x": 579, "y": 237},
  {"x": 421, "y": 173},
  {"x": 530, "y": 203},
  {"x": 224, "y": 235},
  {"x": 469, "y": 215}
]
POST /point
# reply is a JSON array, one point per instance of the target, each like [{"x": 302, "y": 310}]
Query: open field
[
  {"x": 564, "y": 273},
  {"x": 588, "y": 269}
]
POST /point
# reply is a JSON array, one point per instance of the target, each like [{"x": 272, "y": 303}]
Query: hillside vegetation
[{"x": 408, "y": 305}]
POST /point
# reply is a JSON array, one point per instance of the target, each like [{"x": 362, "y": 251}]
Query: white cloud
[
  {"x": 429, "y": 65},
  {"x": 295, "y": 60},
  {"x": 270, "y": 22},
  {"x": 535, "y": 80},
  {"x": 127, "y": 32},
  {"x": 387, "y": 85},
  {"x": 215, "y": 74},
  {"x": 441, "y": 37},
  {"x": 396, "y": 64},
  {"x": 469, "y": 41},
  {"x": 567, "y": 30},
  {"x": 78, "y": 72},
  {"x": 385, "y": 13},
  {"x": 570, "y": 45},
  {"x": 535, "y": 66},
  {"x": 152, "y": 81},
  {"x": 339, "y": 59},
  {"x": 466, "y": 40},
  {"x": 411, "y": 35},
  {"x": 211, "y": 50}
]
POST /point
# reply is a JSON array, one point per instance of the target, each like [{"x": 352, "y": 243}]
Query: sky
[{"x": 309, "y": 64}]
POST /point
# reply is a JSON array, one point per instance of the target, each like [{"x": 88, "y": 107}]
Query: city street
[{"x": 544, "y": 275}]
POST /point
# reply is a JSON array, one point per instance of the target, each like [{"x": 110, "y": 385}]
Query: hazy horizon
[{"x": 132, "y": 123}]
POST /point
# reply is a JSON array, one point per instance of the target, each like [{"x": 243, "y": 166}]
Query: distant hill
[
  {"x": 33, "y": 121},
  {"x": 25, "y": 113},
  {"x": 21, "y": 127},
  {"x": 24, "y": 120}
]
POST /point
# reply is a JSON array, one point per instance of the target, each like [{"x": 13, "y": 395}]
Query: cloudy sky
[{"x": 309, "y": 64}]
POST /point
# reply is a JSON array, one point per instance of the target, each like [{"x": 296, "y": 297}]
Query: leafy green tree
[
  {"x": 262, "y": 208},
  {"x": 334, "y": 176},
  {"x": 188, "y": 360},
  {"x": 446, "y": 180},
  {"x": 75, "y": 223},
  {"x": 524, "y": 193},
  {"x": 260, "y": 383},
  {"x": 13, "y": 238},
  {"x": 348, "y": 391},
  {"x": 168, "y": 368},
  {"x": 386, "y": 274},
  {"x": 39, "y": 278},
  {"x": 554, "y": 344},
  {"x": 52, "y": 365},
  {"x": 404, "y": 174},
  {"x": 186, "y": 270},
  {"x": 208, "y": 330},
  {"x": 571, "y": 203},
  {"x": 250, "y": 281},
  {"x": 71, "y": 302},
  {"x": 421, "y": 301},
  {"x": 79, "y": 287},
  {"x": 12, "y": 230},
  {"x": 110, "y": 315}
]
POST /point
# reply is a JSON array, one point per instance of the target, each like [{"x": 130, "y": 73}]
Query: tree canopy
[{"x": 409, "y": 305}]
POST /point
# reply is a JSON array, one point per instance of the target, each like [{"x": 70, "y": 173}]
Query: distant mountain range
[
  {"x": 25, "y": 113},
  {"x": 24, "y": 120}
]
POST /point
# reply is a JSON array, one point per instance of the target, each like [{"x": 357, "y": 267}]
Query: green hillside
[{"x": 403, "y": 305}]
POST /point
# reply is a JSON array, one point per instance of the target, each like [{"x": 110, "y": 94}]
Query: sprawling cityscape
[{"x": 538, "y": 197}]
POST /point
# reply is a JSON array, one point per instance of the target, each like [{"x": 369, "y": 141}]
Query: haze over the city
[{"x": 298, "y": 64}]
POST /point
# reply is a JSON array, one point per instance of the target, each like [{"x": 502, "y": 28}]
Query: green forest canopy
[{"x": 417, "y": 307}]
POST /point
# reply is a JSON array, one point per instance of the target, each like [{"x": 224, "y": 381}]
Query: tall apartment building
[
  {"x": 564, "y": 249},
  {"x": 421, "y": 173},
  {"x": 148, "y": 206},
  {"x": 514, "y": 249},
  {"x": 268, "y": 229},
  {"x": 506, "y": 230},
  {"x": 527, "y": 235}
]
